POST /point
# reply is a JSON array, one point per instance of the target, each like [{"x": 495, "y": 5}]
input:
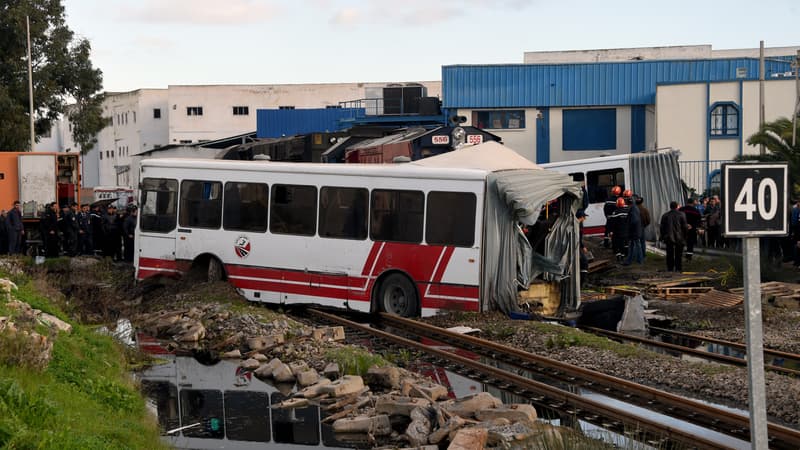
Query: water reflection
[{"x": 220, "y": 406}]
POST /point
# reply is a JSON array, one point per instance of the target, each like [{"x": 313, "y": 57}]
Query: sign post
[{"x": 755, "y": 204}]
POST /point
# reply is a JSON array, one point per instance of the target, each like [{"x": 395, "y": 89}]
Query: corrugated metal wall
[
  {"x": 271, "y": 123},
  {"x": 595, "y": 84}
]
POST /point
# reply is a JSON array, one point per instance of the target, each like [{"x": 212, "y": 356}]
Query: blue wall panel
[
  {"x": 589, "y": 129},
  {"x": 271, "y": 123},
  {"x": 590, "y": 84},
  {"x": 638, "y": 127}
]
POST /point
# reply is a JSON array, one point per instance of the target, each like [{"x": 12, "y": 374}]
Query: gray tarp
[
  {"x": 656, "y": 178},
  {"x": 516, "y": 191}
]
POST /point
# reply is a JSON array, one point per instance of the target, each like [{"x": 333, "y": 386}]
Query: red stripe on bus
[
  {"x": 447, "y": 254},
  {"x": 454, "y": 290},
  {"x": 594, "y": 231},
  {"x": 373, "y": 252},
  {"x": 158, "y": 263}
]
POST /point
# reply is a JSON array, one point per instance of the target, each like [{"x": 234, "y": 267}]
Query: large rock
[
  {"x": 348, "y": 384},
  {"x": 451, "y": 426},
  {"x": 376, "y": 425},
  {"x": 399, "y": 406},
  {"x": 469, "y": 439},
  {"x": 331, "y": 371},
  {"x": 298, "y": 366},
  {"x": 250, "y": 364},
  {"x": 327, "y": 334},
  {"x": 260, "y": 357},
  {"x": 517, "y": 412},
  {"x": 424, "y": 389},
  {"x": 388, "y": 377},
  {"x": 233, "y": 354},
  {"x": 468, "y": 406},
  {"x": 54, "y": 322},
  {"x": 283, "y": 374},
  {"x": 260, "y": 343},
  {"x": 419, "y": 429},
  {"x": 314, "y": 390},
  {"x": 307, "y": 377},
  {"x": 267, "y": 369}
]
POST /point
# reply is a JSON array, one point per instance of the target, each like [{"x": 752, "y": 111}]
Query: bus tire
[
  {"x": 397, "y": 295},
  {"x": 215, "y": 270}
]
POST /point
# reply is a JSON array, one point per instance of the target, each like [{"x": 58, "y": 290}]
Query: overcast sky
[{"x": 155, "y": 43}]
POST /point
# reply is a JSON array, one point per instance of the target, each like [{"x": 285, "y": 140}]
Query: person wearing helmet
[
  {"x": 128, "y": 232},
  {"x": 635, "y": 233},
  {"x": 618, "y": 228},
  {"x": 608, "y": 210},
  {"x": 627, "y": 193}
]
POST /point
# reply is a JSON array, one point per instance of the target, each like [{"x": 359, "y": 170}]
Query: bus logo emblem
[{"x": 242, "y": 247}]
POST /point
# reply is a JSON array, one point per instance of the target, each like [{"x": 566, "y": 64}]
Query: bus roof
[
  {"x": 600, "y": 159},
  {"x": 405, "y": 170}
]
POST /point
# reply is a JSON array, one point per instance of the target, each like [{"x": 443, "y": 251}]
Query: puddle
[{"x": 712, "y": 347}]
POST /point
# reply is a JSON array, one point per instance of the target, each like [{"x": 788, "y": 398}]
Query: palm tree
[{"x": 777, "y": 138}]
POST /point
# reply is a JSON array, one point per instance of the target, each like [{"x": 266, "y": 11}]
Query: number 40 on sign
[{"x": 755, "y": 199}]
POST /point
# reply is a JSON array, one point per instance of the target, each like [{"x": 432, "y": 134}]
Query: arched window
[{"x": 724, "y": 120}]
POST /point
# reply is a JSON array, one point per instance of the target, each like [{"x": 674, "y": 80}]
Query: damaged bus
[{"x": 409, "y": 239}]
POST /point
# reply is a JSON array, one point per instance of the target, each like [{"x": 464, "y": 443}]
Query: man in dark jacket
[
  {"x": 693, "y": 219},
  {"x": 646, "y": 221},
  {"x": 128, "y": 232},
  {"x": 635, "y": 234},
  {"x": 673, "y": 233},
  {"x": 85, "y": 243},
  {"x": 618, "y": 226},
  {"x": 608, "y": 209},
  {"x": 111, "y": 234},
  {"x": 15, "y": 229},
  {"x": 68, "y": 225},
  {"x": 49, "y": 230},
  {"x": 96, "y": 218}
]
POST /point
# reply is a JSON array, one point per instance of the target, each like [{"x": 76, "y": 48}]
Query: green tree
[
  {"x": 777, "y": 139},
  {"x": 62, "y": 75}
]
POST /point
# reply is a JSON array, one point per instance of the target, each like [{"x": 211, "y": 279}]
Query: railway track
[
  {"x": 711, "y": 356},
  {"x": 546, "y": 395}
]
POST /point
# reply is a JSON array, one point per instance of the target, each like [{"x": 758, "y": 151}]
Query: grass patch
[
  {"x": 84, "y": 399},
  {"x": 354, "y": 360}
]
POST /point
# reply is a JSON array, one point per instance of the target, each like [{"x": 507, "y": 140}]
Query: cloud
[
  {"x": 412, "y": 12},
  {"x": 153, "y": 42},
  {"x": 202, "y": 12}
]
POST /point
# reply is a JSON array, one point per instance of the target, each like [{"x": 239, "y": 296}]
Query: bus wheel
[
  {"x": 215, "y": 271},
  {"x": 398, "y": 296}
]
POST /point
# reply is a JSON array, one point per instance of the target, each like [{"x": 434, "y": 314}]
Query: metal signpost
[{"x": 755, "y": 204}]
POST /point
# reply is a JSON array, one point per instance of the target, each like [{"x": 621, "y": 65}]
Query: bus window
[
  {"x": 201, "y": 204},
  {"x": 245, "y": 207},
  {"x": 158, "y": 205},
  {"x": 397, "y": 215},
  {"x": 294, "y": 210},
  {"x": 600, "y": 183},
  {"x": 451, "y": 219},
  {"x": 343, "y": 212}
]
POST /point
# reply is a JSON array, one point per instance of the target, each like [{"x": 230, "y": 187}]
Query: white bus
[
  {"x": 399, "y": 238},
  {"x": 655, "y": 176}
]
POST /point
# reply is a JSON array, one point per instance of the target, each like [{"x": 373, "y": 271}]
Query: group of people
[
  {"x": 626, "y": 220},
  {"x": 73, "y": 230}
]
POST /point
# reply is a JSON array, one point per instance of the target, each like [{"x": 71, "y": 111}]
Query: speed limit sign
[{"x": 755, "y": 200}]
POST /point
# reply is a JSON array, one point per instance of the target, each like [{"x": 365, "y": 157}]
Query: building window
[
  {"x": 333, "y": 106},
  {"x": 589, "y": 129},
  {"x": 286, "y": 107},
  {"x": 185, "y": 141},
  {"x": 134, "y": 117},
  {"x": 724, "y": 120},
  {"x": 241, "y": 110},
  {"x": 101, "y": 156},
  {"x": 156, "y": 113},
  {"x": 194, "y": 110},
  {"x": 499, "y": 120}
]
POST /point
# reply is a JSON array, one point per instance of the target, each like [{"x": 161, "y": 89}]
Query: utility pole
[
  {"x": 761, "y": 71},
  {"x": 797, "y": 98},
  {"x": 30, "y": 82}
]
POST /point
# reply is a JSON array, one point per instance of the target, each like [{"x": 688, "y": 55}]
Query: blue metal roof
[
  {"x": 589, "y": 84},
  {"x": 271, "y": 123}
]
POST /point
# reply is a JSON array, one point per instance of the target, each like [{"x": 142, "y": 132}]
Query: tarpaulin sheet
[
  {"x": 656, "y": 178},
  {"x": 516, "y": 191}
]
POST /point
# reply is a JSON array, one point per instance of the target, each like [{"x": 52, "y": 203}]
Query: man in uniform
[
  {"x": 49, "y": 230},
  {"x": 111, "y": 234},
  {"x": 608, "y": 209},
  {"x": 15, "y": 229},
  {"x": 618, "y": 221},
  {"x": 86, "y": 246},
  {"x": 673, "y": 233},
  {"x": 128, "y": 232},
  {"x": 693, "y": 219}
]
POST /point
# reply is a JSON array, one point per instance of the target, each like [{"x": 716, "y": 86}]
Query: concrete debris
[
  {"x": 283, "y": 374},
  {"x": 420, "y": 427},
  {"x": 450, "y": 427},
  {"x": 377, "y": 425},
  {"x": 516, "y": 412},
  {"x": 307, "y": 377},
  {"x": 233, "y": 354},
  {"x": 388, "y": 377},
  {"x": 196, "y": 332},
  {"x": 260, "y": 357},
  {"x": 292, "y": 403},
  {"x": 261, "y": 343},
  {"x": 469, "y": 439},
  {"x": 424, "y": 389},
  {"x": 468, "y": 406},
  {"x": 327, "y": 334},
  {"x": 250, "y": 364},
  {"x": 314, "y": 390},
  {"x": 331, "y": 371},
  {"x": 399, "y": 406},
  {"x": 348, "y": 384},
  {"x": 298, "y": 366}
]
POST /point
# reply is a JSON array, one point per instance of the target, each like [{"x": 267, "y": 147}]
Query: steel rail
[
  {"x": 726, "y": 422},
  {"x": 689, "y": 351},
  {"x": 546, "y": 395},
  {"x": 736, "y": 345}
]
